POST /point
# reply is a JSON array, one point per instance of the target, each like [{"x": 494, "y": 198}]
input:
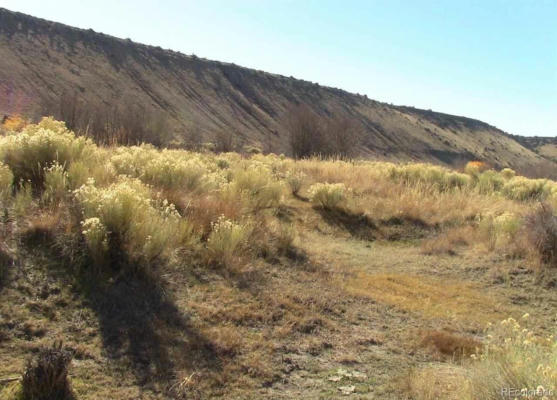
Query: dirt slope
[{"x": 40, "y": 60}]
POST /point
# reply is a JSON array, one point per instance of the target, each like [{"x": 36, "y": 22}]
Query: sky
[{"x": 491, "y": 60}]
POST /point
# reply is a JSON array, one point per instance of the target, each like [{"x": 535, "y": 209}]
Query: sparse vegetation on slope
[{"x": 196, "y": 274}]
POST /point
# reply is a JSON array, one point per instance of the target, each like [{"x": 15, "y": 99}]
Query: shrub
[
  {"x": 496, "y": 230},
  {"x": 434, "y": 176},
  {"x": 78, "y": 173},
  {"x": 475, "y": 167},
  {"x": 167, "y": 169},
  {"x": 540, "y": 228},
  {"x": 285, "y": 236},
  {"x": 14, "y": 123},
  {"x": 327, "y": 195},
  {"x": 313, "y": 135},
  {"x": 46, "y": 377},
  {"x": 226, "y": 240},
  {"x": 96, "y": 238},
  {"x": 40, "y": 146},
  {"x": 141, "y": 228},
  {"x": 258, "y": 186},
  {"x": 520, "y": 188},
  {"x": 222, "y": 163},
  {"x": 55, "y": 184},
  {"x": 305, "y": 132},
  {"x": 121, "y": 122},
  {"x": 249, "y": 149},
  {"x": 489, "y": 182},
  {"x": 23, "y": 199},
  {"x": 508, "y": 173},
  {"x": 171, "y": 173},
  {"x": 6, "y": 181},
  {"x": 295, "y": 180},
  {"x": 224, "y": 142},
  {"x": 513, "y": 357}
]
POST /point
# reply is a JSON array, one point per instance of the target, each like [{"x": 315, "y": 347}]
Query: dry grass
[
  {"x": 431, "y": 297},
  {"x": 450, "y": 344},
  {"x": 449, "y": 241},
  {"x": 439, "y": 381}
]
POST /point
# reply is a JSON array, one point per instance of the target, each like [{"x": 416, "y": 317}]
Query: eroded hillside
[{"x": 41, "y": 60}]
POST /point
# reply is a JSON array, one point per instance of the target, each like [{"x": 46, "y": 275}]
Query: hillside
[
  {"x": 542, "y": 145},
  {"x": 41, "y": 60}
]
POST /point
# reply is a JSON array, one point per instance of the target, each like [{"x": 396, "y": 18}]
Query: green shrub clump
[
  {"x": 6, "y": 181},
  {"x": 122, "y": 218},
  {"x": 226, "y": 240},
  {"x": 39, "y": 146},
  {"x": 521, "y": 188},
  {"x": 327, "y": 195},
  {"x": 435, "y": 176},
  {"x": 257, "y": 185}
]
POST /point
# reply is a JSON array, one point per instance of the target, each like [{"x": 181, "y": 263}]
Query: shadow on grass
[
  {"x": 139, "y": 321},
  {"x": 358, "y": 225},
  {"x": 6, "y": 262},
  {"x": 364, "y": 227}
]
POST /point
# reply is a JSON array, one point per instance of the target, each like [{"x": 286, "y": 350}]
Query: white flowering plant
[
  {"x": 514, "y": 357},
  {"x": 227, "y": 240}
]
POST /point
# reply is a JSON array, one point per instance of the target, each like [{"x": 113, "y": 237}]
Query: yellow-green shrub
[
  {"x": 285, "y": 235},
  {"x": 257, "y": 185},
  {"x": 327, "y": 195},
  {"x": 143, "y": 228},
  {"x": 23, "y": 199},
  {"x": 508, "y": 173},
  {"x": 39, "y": 146},
  {"x": 521, "y": 188},
  {"x": 168, "y": 169},
  {"x": 497, "y": 230},
  {"x": 227, "y": 240},
  {"x": 489, "y": 182},
  {"x": 55, "y": 184},
  {"x": 6, "y": 181},
  {"x": 171, "y": 173},
  {"x": 96, "y": 238},
  {"x": 438, "y": 177},
  {"x": 295, "y": 180},
  {"x": 513, "y": 357}
]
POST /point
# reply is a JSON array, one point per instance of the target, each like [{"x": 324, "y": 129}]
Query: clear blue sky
[{"x": 492, "y": 60}]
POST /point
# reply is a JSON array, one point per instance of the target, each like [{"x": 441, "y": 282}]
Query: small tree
[
  {"x": 311, "y": 134},
  {"x": 306, "y": 133},
  {"x": 343, "y": 137},
  {"x": 224, "y": 141}
]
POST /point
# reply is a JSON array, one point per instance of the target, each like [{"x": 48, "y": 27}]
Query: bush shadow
[{"x": 139, "y": 321}]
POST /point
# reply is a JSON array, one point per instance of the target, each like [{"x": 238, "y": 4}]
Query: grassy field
[{"x": 174, "y": 274}]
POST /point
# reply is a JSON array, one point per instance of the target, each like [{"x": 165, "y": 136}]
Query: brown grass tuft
[
  {"x": 540, "y": 229},
  {"x": 450, "y": 344},
  {"x": 46, "y": 376},
  {"x": 446, "y": 243}
]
